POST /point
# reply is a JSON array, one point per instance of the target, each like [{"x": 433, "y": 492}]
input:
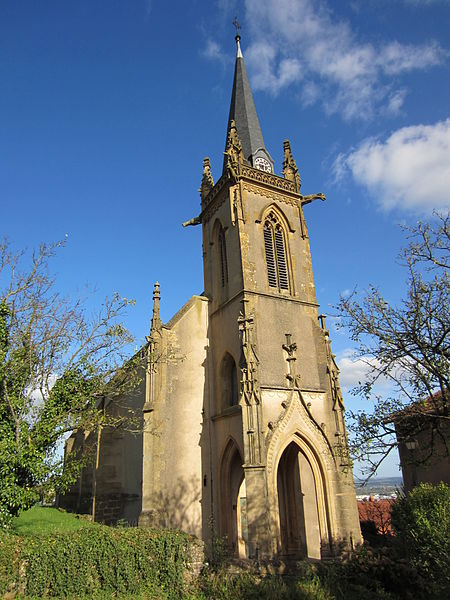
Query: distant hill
[{"x": 384, "y": 486}]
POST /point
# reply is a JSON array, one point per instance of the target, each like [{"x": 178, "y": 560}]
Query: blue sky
[{"x": 107, "y": 109}]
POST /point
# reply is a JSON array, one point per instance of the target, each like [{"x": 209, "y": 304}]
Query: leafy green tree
[
  {"x": 409, "y": 346},
  {"x": 421, "y": 521},
  {"x": 57, "y": 362}
]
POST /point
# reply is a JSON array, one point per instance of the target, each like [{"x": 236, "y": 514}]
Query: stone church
[{"x": 244, "y": 435}]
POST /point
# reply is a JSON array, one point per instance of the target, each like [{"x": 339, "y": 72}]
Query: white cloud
[
  {"x": 395, "y": 101},
  {"x": 354, "y": 370},
  {"x": 396, "y": 58},
  {"x": 411, "y": 169},
  {"x": 288, "y": 70},
  {"x": 213, "y": 51},
  {"x": 310, "y": 93},
  {"x": 298, "y": 40}
]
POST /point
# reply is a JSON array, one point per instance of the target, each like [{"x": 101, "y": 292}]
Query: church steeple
[{"x": 243, "y": 113}]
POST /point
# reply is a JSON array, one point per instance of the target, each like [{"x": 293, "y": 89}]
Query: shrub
[
  {"x": 5, "y": 518},
  {"x": 222, "y": 585},
  {"x": 421, "y": 521},
  {"x": 10, "y": 548},
  {"x": 93, "y": 561},
  {"x": 382, "y": 572}
]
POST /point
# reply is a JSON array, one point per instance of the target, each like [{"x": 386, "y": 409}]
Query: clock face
[{"x": 262, "y": 164}]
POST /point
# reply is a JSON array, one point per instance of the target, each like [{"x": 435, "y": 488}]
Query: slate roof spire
[{"x": 243, "y": 112}]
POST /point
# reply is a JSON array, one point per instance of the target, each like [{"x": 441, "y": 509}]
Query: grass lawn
[{"x": 40, "y": 519}]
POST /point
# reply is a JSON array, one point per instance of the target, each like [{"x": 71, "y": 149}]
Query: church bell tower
[{"x": 277, "y": 476}]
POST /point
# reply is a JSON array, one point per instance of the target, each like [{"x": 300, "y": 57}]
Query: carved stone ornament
[
  {"x": 296, "y": 411},
  {"x": 311, "y": 197},
  {"x": 250, "y": 396},
  {"x": 338, "y": 400},
  {"x": 296, "y": 395},
  {"x": 290, "y": 171},
  {"x": 207, "y": 179},
  {"x": 269, "y": 179},
  {"x": 156, "y": 318},
  {"x": 291, "y": 348},
  {"x": 248, "y": 363},
  {"x": 234, "y": 153},
  {"x": 332, "y": 369}
]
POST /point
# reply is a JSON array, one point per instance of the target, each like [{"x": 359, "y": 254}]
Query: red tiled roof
[{"x": 378, "y": 512}]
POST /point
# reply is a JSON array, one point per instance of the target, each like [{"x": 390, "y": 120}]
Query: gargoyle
[
  {"x": 307, "y": 199},
  {"x": 194, "y": 221}
]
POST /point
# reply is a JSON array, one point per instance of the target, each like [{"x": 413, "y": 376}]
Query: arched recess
[
  {"x": 275, "y": 233},
  {"x": 229, "y": 395},
  {"x": 302, "y": 502},
  {"x": 233, "y": 500}
]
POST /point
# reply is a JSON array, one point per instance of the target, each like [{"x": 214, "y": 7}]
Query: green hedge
[{"x": 90, "y": 561}]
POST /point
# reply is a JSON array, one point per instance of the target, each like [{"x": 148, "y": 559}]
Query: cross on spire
[{"x": 236, "y": 24}]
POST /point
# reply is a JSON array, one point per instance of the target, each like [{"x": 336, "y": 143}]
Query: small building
[{"x": 423, "y": 436}]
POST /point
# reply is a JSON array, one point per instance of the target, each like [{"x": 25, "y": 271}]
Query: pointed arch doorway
[
  {"x": 234, "y": 524},
  {"x": 299, "y": 497}
]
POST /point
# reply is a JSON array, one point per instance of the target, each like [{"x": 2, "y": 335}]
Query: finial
[
  {"x": 156, "y": 292},
  {"x": 207, "y": 169},
  {"x": 207, "y": 179},
  {"x": 290, "y": 171},
  {"x": 322, "y": 321},
  {"x": 237, "y": 38},
  {"x": 234, "y": 153},
  {"x": 156, "y": 319}
]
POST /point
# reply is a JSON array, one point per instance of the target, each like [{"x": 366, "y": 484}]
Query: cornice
[
  {"x": 266, "y": 184},
  {"x": 244, "y": 292},
  {"x": 268, "y": 179},
  {"x": 281, "y": 388}
]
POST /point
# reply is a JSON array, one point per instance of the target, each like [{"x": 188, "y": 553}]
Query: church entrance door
[{"x": 297, "y": 501}]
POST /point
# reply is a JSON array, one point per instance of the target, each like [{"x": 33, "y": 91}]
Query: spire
[
  {"x": 156, "y": 319},
  {"x": 243, "y": 113}
]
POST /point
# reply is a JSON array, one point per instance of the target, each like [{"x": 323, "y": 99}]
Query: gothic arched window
[
  {"x": 223, "y": 257},
  {"x": 276, "y": 253}
]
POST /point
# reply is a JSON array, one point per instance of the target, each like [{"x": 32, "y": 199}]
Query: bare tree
[{"x": 408, "y": 345}]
